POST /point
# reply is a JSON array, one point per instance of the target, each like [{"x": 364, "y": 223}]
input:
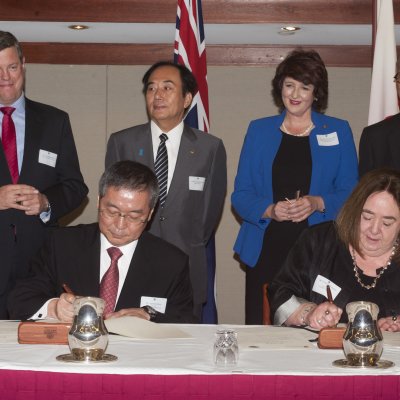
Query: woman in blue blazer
[{"x": 296, "y": 169}]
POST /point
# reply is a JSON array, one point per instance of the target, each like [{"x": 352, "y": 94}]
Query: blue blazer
[{"x": 334, "y": 174}]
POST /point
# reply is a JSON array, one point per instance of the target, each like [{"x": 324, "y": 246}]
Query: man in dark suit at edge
[
  {"x": 380, "y": 142},
  {"x": 196, "y": 176},
  {"x": 40, "y": 178},
  {"x": 149, "y": 271}
]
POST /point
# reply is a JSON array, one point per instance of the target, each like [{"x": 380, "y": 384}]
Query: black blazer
[
  {"x": 72, "y": 255},
  {"x": 49, "y": 129},
  {"x": 380, "y": 145}
]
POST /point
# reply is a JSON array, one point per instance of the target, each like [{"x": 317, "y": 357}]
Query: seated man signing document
[{"x": 113, "y": 259}]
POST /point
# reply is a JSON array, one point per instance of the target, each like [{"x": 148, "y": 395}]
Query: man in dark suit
[
  {"x": 380, "y": 142},
  {"x": 150, "y": 271},
  {"x": 40, "y": 178},
  {"x": 196, "y": 183},
  {"x": 380, "y": 145}
]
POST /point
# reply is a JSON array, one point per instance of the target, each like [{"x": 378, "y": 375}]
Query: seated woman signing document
[{"x": 357, "y": 256}]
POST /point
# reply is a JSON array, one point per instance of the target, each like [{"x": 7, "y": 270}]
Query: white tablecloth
[{"x": 264, "y": 350}]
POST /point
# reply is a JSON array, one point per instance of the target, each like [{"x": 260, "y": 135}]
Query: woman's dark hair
[
  {"x": 348, "y": 220},
  {"x": 305, "y": 66}
]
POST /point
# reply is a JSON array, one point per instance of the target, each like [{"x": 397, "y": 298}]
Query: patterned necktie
[
  {"x": 161, "y": 168},
  {"x": 110, "y": 280},
  {"x": 9, "y": 141}
]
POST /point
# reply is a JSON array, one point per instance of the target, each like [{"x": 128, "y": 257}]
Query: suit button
[{"x": 162, "y": 218}]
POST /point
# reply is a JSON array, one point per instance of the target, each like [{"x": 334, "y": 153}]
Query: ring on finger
[
  {"x": 327, "y": 312},
  {"x": 319, "y": 321}
]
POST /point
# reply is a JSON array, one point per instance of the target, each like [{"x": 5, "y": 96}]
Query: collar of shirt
[
  {"x": 172, "y": 144},
  {"x": 18, "y": 116},
  {"x": 123, "y": 263}
]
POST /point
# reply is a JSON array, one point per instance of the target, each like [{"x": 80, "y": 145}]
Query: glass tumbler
[{"x": 226, "y": 349}]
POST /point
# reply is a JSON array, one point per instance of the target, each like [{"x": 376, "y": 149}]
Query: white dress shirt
[{"x": 105, "y": 261}]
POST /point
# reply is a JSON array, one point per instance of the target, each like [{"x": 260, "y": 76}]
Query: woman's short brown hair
[
  {"x": 305, "y": 66},
  {"x": 348, "y": 220}
]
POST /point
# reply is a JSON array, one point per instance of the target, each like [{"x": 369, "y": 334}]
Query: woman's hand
[
  {"x": 324, "y": 315},
  {"x": 301, "y": 209},
  {"x": 391, "y": 324},
  {"x": 278, "y": 211}
]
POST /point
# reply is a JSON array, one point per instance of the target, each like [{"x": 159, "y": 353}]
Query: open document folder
[{"x": 142, "y": 329}]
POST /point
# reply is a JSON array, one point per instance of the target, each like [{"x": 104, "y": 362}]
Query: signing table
[{"x": 274, "y": 363}]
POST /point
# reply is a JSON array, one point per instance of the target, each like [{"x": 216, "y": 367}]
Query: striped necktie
[{"x": 161, "y": 168}]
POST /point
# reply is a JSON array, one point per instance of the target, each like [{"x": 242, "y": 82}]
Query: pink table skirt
[{"x": 30, "y": 385}]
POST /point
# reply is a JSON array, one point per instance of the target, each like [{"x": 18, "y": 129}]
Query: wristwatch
[
  {"x": 151, "y": 311},
  {"x": 48, "y": 208}
]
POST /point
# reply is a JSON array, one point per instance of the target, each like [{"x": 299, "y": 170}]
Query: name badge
[
  {"x": 158, "y": 303},
  {"x": 330, "y": 139},
  {"x": 47, "y": 158},
  {"x": 196, "y": 183},
  {"x": 320, "y": 285}
]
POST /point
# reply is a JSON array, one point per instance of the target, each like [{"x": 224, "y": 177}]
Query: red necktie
[
  {"x": 109, "y": 282},
  {"x": 9, "y": 141}
]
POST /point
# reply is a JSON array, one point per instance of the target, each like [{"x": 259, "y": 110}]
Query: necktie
[
  {"x": 9, "y": 141},
  {"x": 109, "y": 282},
  {"x": 161, "y": 168}
]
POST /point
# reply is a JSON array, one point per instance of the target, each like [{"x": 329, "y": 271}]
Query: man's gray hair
[{"x": 130, "y": 175}]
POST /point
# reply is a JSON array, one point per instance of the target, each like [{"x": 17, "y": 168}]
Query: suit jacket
[
  {"x": 188, "y": 217},
  {"x": 380, "y": 145},
  {"x": 72, "y": 255},
  {"x": 333, "y": 175},
  {"x": 49, "y": 129}
]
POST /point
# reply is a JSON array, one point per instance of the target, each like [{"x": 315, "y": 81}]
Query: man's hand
[
  {"x": 10, "y": 196},
  {"x": 22, "y": 197},
  {"x": 62, "y": 308},
  {"x": 133, "y": 312},
  {"x": 36, "y": 203}
]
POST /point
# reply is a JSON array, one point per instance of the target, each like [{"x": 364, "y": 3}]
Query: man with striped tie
[{"x": 190, "y": 166}]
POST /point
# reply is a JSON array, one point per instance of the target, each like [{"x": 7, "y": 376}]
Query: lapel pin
[{"x": 141, "y": 152}]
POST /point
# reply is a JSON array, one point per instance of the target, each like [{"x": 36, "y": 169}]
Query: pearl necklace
[
  {"x": 306, "y": 132},
  {"x": 384, "y": 268}
]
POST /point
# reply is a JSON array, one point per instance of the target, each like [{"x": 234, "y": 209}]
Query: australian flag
[{"x": 190, "y": 50}]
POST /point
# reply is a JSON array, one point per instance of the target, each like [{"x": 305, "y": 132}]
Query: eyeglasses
[
  {"x": 114, "y": 215},
  {"x": 396, "y": 78}
]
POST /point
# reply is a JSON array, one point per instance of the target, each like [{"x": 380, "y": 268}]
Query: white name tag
[
  {"x": 320, "y": 285},
  {"x": 196, "y": 183},
  {"x": 330, "y": 139},
  {"x": 48, "y": 158},
  {"x": 158, "y": 303}
]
